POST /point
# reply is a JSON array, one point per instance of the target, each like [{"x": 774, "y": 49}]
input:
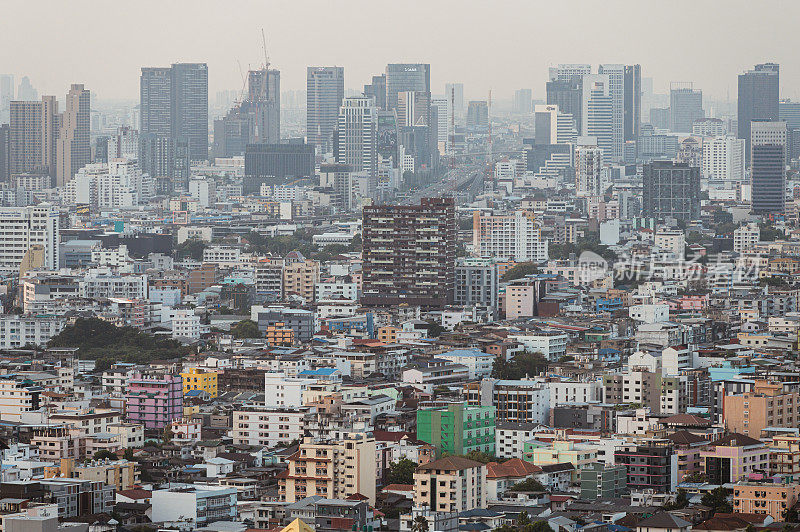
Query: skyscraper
[
  {"x": 173, "y": 110},
  {"x": 74, "y": 150},
  {"x": 264, "y": 105},
  {"x": 6, "y": 95},
  {"x": 616, "y": 89},
  {"x": 568, "y": 96},
  {"x": 324, "y": 93},
  {"x": 357, "y": 135},
  {"x": 551, "y": 126},
  {"x": 758, "y": 98},
  {"x": 455, "y": 92},
  {"x": 565, "y": 72},
  {"x": 632, "y": 104},
  {"x": 671, "y": 189},
  {"x": 413, "y": 108},
  {"x": 723, "y": 158},
  {"x": 26, "y": 92},
  {"x": 32, "y": 136},
  {"x": 588, "y": 168},
  {"x": 768, "y": 166},
  {"x": 598, "y": 112},
  {"x": 478, "y": 114},
  {"x": 409, "y": 253},
  {"x": 377, "y": 90},
  {"x": 5, "y": 152},
  {"x": 406, "y": 77},
  {"x": 685, "y": 106},
  {"x": 523, "y": 100},
  {"x": 443, "y": 129}
]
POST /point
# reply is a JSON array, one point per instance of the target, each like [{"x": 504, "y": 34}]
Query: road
[{"x": 462, "y": 175}]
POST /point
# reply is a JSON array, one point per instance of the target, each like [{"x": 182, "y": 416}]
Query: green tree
[
  {"x": 420, "y": 524},
  {"x": 769, "y": 233},
  {"x": 530, "y": 484},
  {"x": 192, "y": 249},
  {"x": 245, "y": 329},
  {"x": 402, "y": 472},
  {"x": 167, "y": 434},
  {"x": 519, "y": 366},
  {"x": 681, "y": 501},
  {"x": 480, "y": 456},
  {"x": 523, "y": 519},
  {"x": 128, "y": 454},
  {"x": 717, "y": 500},
  {"x": 104, "y": 454},
  {"x": 519, "y": 271}
]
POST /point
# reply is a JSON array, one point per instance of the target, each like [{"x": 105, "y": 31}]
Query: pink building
[{"x": 154, "y": 400}]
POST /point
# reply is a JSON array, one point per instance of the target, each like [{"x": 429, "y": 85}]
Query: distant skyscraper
[
  {"x": 565, "y": 72},
  {"x": 685, "y": 106},
  {"x": 568, "y": 96},
  {"x": 357, "y": 135},
  {"x": 670, "y": 189},
  {"x": 598, "y": 112},
  {"x": 632, "y": 104},
  {"x": 616, "y": 89},
  {"x": 377, "y": 90},
  {"x": 413, "y": 108},
  {"x": 723, "y": 158},
  {"x": 478, "y": 114},
  {"x": 758, "y": 98},
  {"x": 5, "y": 153},
  {"x": 551, "y": 126},
  {"x": 264, "y": 105},
  {"x": 588, "y": 168},
  {"x": 443, "y": 129},
  {"x": 26, "y": 92},
  {"x": 768, "y": 166},
  {"x": 32, "y": 136},
  {"x": 789, "y": 112},
  {"x": 647, "y": 98},
  {"x": 324, "y": 93},
  {"x": 173, "y": 106},
  {"x": 74, "y": 149},
  {"x": 406, "y": 77},
  {"x": 455, "y": 92},
  {"x": 6, "y": 95},
  {"x": 523, "y": 101}
]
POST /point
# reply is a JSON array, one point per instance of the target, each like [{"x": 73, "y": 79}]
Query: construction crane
[{"x": 264, "y": 44}]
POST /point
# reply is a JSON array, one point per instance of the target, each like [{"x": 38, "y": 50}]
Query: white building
[
  {"x": 195, "y": 504},
  {"x": 510, "y": 438},
  {"x": 281, "y": 391},
  {"x": 18, "y": 331},
  {"x": 574, "y": 392},
  {"x": 551, "y": 344},
  {"x": 746, "y": 237},
  {"x": 203, "y": 190},
  {"x": 102, "y": 284},
  {"x": 337, "y": 291},
  {"x": 225, "y": 256},
  {"x": 649, "y": 313},
  {"x": 616, "y": 89},
  {"x": 588, "y": 168},
  {"x": 723, "y": 158},
  {"x": 358, "y": 134},
  {"x": 24, "y": 227},
  {"x": 185, "y": 324},
  {"x": 516, "y": 236},
  {"x": 671, "y": 240},
  {"x": 598, "y": 112},
  {"x": 478, "y": 363},
  {"x": 266, "y": 427}
]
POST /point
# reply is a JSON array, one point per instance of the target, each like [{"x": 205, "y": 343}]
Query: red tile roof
[{"x": 514, "y": 468}]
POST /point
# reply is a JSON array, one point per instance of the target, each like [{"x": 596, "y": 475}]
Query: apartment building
[
  {"x": 457, "y": 428},
  {"x": 20, "y": 330},
  {"x": 300, "y": 279},
  {"x": 765, "y": 499},
  {"x": 196, "y": 504},
  {"x": 767, "y": 405},
  {"x": 516, "y": 236},
  {"x": 200, "y": 379},
  {"x": 450, "y": 484},
  {"x": 266, "y": 427},
  {"x": 154, "y": 400}
]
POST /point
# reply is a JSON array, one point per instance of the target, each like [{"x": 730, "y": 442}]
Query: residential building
[
  {"x": 29, "y": 238},
  {"x": 154, "y": 400},
  {"x": 589, "y": 180},
  {"x": 521, "y": 401},
  {"x": 266, "y": 427},
  {"x": 18, "y": 331},
  {"x": 723, "y": 159},
  {"x": 196, "y": 504},
  {"x": 746, "y": 237},
  {"x": 453, "y": 484},
  {"x": 300, "y": 279},
  {"x": 200, "y": 379},
  {"x": 33, "y": 134},
  {"x": 603, "y": 481},
  {"x": 357, "y": 131},
  {"x": 476, "y": 283},
  {"x": 73, "y": 148},
  {"x": 764, "y": 498},
  {"x": 516, "y": 236},
  {"x": 734, "y": 457},
  {"x": 751, "y": 412},
  {"x": 457, "y": 428},
  {"x": 671, "y": 190},
  {"x": 651, "y": 465}
]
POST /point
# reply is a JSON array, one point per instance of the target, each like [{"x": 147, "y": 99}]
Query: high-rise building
[
  {"x": 32, "y": 136},
  {"x": 455, "y": 92},
  {"x": 26, "y": 228},
  {"x": 6, "y": 95},
  {"x": 566, "y": 72},
  {"x": 523, "y": 101},
  {"x": 723, "y": 159},
  {"x": 73, "y": 149},
  {"x": 758, "y": 99},
  {"x": 324, "y": 93},
  {"x": 598, "y": 112},
  {"x": 413, "y": 108},
  {"x": 568, "y": 96},
  {"x": 377, "y": 90},
  {"x": 516, "y": 236},
  {"x": 551, "y": 126},
  {"x": 685, "y": 106},
  {"x": 768, "y": 166},
  {"x": 273, "y": 164},
  {"x": 478, "y": 114},
  {"x": 409, "y": 253},
  {"x": 443, "y": 122},
  {"x": 26, "y": 92},
  {"x": 357, "y": 135},
  {"x": 264, "y": 104},
  {"x": 588, "y": 168},
  {"x": 671, "y": 189},
  {"x": 632, "y": 101},
  {"x": 406, "y": 77},
  {"x": 5, "y": 152},
  {"x": 616, "y": 89},
  {"x": 789, "y": 112},
  {"x": 173, "y": 114}
]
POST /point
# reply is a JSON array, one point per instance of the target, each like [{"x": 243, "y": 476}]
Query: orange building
[
  {"x": 279, "y": 335},
  {"x": 388, "y": 334},
  {"x": 765, "y": 499},
  {"x": 768, "y": 405}
]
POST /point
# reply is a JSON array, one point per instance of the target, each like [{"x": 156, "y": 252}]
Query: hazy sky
[{"x": 503, "y": 45}]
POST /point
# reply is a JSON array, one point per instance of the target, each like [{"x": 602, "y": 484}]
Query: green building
[
  {"x": 601, "y": 481},
  {"x": 457, "y": 429}
]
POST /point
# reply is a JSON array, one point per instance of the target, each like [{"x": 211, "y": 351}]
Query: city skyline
[{"x": 616, "y": 31}]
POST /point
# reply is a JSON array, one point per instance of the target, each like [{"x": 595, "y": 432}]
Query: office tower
[
  {"x": 264, "y": 105},
  {"x": 6, "y": 95},
  {"x": 523, "y": 101},
  {"x": 409, "y": 254},
  {"x": 377, "y": 90},
  {"x": 632, "y": 102},
  {"x": 568, "y": 96},
  {"x": 413, "y": 108},
  {"x": 616, "y": 89},
  {"x": 478, "y": 114},
  {"x": 189, "y": 115},
  {"x": 74, "y": 149},
  {"x": 274, "y": 164},
  {"x": 660, "y": 117},
  {"x": 24, "y": 228},
  {"x": 455, "y": 93},
  {"x": 588, "y": 168},
  {"x": 551, "y": 126},
  {"x": 5, "y": 153},
  {"x": 789, "y": 112},
  {"x": 443, "y": 122},
  {"x": 647, "y": 98},
  {"x": 671, "y": 189},
  {"x": 768, "y": 166},
  {"x": 723, "y": 158},
  {"x": 324, "y": 93},
  {"x": 26, "y": 92},
  {"x": 32, "y": 137},
  {"x": 337, "y": 177},
  {"x": 173, "y": 114},
  {"x": 566, "y": 72},
  {"x": 357, "y": 135},
  {"x": 685, "y": 106},
  {"x": 758, "y": 99},
  {"x": 598, "y": 112},
  {"x": 406, "y": 77}
]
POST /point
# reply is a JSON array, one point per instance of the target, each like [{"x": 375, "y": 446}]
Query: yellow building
[
  {"x": 198, "y": 379},
  {"x": 561, "y": 452},
  {"x": 121, "y": 474}
]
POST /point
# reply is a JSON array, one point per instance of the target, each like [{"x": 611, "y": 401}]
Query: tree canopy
[
  {"x": 519, "y": 271},
  {"x": 402, "y": 472},
  {"x": 245, "y": 329},
  {"x": 519, "y": 366}
]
